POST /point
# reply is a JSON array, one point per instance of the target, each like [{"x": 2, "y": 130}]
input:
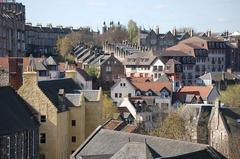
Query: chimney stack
[{"x": 209, "y": 33}]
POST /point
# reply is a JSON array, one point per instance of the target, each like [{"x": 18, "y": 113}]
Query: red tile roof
[
  {"x": 154, "y": 86},
  {"x": 130, "y": 128},
  {"x": 203, "y": 91},
  {"x": 140, "y": 79},
  {"x": 113, "y": 124}
]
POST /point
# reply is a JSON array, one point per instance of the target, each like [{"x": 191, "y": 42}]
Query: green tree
[
  {"x": 231, "y": 96},
  {"x": 92, "y": 71},
  {"x": 173, "y": 127},
  {"x": 109, "y": 108},
  {"x": 66, "y": 44},
  {"x": 132, "y": 31}
]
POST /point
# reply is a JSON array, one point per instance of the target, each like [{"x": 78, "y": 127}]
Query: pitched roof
[
  {"x": 219, "y": 76},
  {"x": 103, "y": 141},
  {"x": 231, "y": 117},
  {"x": 50, "y": 61},
  {"x": 51, "y": 89},
  {"x": 141, "y": 58},
  {"x": 135, "y": 150},
  {"x": 203, "y": 91},
  {"x": 154, "y": 86},
  {"x": 15, "y": 114}
]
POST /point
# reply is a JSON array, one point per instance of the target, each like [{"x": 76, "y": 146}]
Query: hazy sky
[{"x": 217, "y": 15}]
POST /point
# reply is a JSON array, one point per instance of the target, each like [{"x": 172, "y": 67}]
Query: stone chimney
[
  {"x": 174, "y": 31},
  {"x": 191, "y": 32},
  {"x": 157, "y": 30},
  {"x": 209, "y": 33},
  {"x": 30, "y": 78}
]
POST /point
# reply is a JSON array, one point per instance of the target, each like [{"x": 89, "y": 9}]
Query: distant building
[
  {"x": 144, "y": 64},
  {"x": 41, "y": 40},
  {"x": 157, "y": 41},
  {"x": 198, "y": 55},
  {"x": 12, "y": 28},
  {"x": 19, "y": 128},
  {"x": 219, "y": 79}
]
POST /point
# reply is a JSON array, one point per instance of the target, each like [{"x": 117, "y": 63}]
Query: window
[
  {"x": 43, "y": 118},
  {"x": 42, "y": 138},
  {"x": 129, "y": 95},
  {"x": 116, "y": 95},
  {"x": 124, "y": 84},
  {"x": 160, "y": 68},
  {"x": 120, "y": 95},
  {"x": 73, "y": 122},
  {"x": 154, "y": 68},
  {"x": 121, "y": 84},
  {"x": 74, "y": 138}
]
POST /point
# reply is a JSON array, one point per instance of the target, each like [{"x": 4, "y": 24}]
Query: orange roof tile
[
  {"x": 154, "y": 86},
  {"x": 113, "y": 124},
  {"x": 130, "y": 128},
  {"x": 140, "y": 79},
  {"x": 203, "y": 91}
]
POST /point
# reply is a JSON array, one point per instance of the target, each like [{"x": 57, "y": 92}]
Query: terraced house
[
  {"x": 197, "y": 56},
  {"x": 60, "y": 107}
]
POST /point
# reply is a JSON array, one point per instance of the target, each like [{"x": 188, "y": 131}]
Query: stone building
[
  {"x": 198, "y": 55},
  {"x": 62, "y": 108},
  {"x": 224, "y": 130},
  {"x": 156, "y": 41},
  {"x": 19, "y": 128},
  {"x": 12, "y": 27}
]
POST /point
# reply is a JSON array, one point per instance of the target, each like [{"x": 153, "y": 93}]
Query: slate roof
[
  {"x": 135, "y": 150},
  {"x": 15, "y": 114},
  {"x": 230, "y": 116},
  {"x": 141, "y": 58},
  {"x": 51, "y": 89},
  {"x": 108, "y": 142},
  {"x": 219, "y": 76}
]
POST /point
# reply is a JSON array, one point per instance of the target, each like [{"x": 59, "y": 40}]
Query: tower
[{"x": 104, "y": 28}]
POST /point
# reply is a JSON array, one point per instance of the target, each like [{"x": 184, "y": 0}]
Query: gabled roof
[
  {"x": 141, "y": 58},
  {"x": 15, "y": 114},
  {"x": 108, "y": 142},
  {"x": 219, "y": 76},
  {"x": 135, "y": 150},
  {"x": 50, "y": 61},
  {"x": 203, "y": 91},
  {"x": 51, "y": 89}
]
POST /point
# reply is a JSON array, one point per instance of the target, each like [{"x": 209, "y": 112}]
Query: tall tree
[
  {"x": 68, "y": 42},
  {"x": 173, "y": 127},
  {"x": 132, "y": 31},
  {"x": 231, "y": 96},
  {"x": 115, "y": 34}
]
